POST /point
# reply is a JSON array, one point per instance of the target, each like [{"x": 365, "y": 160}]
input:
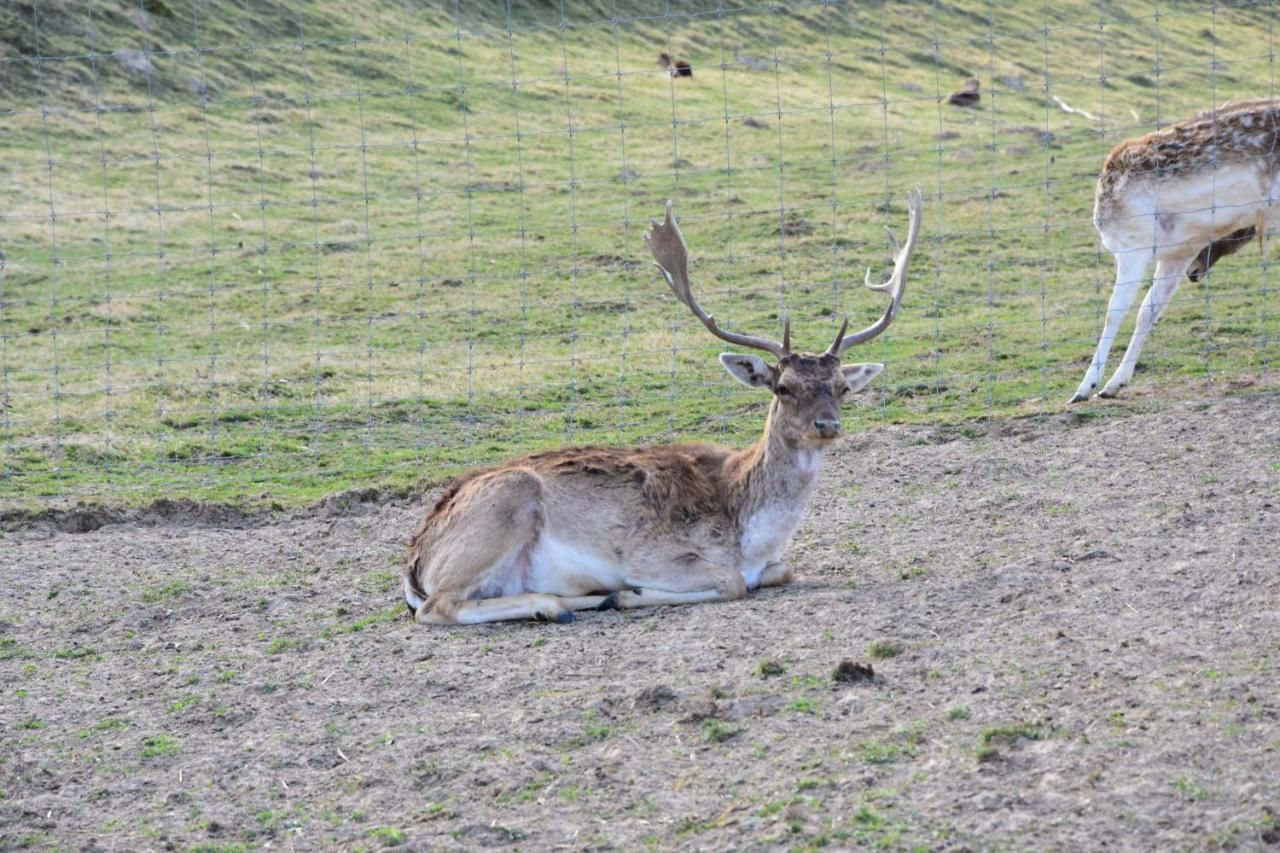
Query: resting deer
[
  {"x": 600, "y": 528},
  {"x": 674, "y": 67},
  {"x": 1182, "y": 197}
]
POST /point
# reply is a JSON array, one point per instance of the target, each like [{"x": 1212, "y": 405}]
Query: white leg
[
  {"x": 695, "y": 582},
  {"x": 1169, "y": 273},
  {"x": 528, "y": 605},
  {"x": 649, "y": 597},
  {"x": 448, "y": 610},
  {"x": 1131, "y": 271}
]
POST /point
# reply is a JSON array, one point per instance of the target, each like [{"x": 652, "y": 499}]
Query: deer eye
[
  {"x": 783, "y": 391},
  {"x": 844, "y": 389}
]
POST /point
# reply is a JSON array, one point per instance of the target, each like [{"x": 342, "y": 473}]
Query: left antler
[
  {"x": 672, "y": 256},
  {"x": 895, "y": 286}
]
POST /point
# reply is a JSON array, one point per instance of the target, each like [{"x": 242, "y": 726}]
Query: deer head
[
  {"x": 1219, "y": 249},
  {"x": 807, "y": 388}
]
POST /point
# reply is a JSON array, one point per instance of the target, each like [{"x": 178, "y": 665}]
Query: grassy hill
[{"x": 262, "y": 252}]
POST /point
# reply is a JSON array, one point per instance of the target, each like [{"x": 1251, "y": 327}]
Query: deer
[
  {"x": 599, "y": 528},
  {"x": 1183, "y": 197},
  {"x": 674, "y": 67}
]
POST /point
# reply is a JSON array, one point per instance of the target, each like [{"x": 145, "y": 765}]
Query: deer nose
[{"x": 827, "y": 429}]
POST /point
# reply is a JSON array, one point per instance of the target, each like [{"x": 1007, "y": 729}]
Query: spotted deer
[
  {"x": 1183, "y": 197},
  {"x": 603, "y": 528}
]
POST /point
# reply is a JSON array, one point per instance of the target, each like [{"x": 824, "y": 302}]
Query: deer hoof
[
  {"x": 564, "y": 617},
  {"x": 610, "y": 602}
]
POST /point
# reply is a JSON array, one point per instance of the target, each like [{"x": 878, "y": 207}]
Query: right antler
[
  {"x": 672, "y": 256},
  {"x": 895, "y": 286}
]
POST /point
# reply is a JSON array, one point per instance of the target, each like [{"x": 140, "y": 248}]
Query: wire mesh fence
[{"x": 270, "y": 251}]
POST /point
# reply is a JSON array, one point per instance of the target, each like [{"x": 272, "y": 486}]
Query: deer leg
[
  {"x": 449, "y": 610},
  {"x": 775, "y": 574},
  {"x": 481, "y": 551},
  {"x": 1168, "y": 275},
  {"x": 686, "y": 584},
  {"x": 1131, "y": 269}
]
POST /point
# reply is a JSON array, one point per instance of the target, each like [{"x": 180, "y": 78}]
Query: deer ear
[
  {"x": 750, "y": 369},
  {"x": 858, "y": 375}
]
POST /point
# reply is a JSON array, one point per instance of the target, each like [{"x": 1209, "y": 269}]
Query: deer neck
[{"x": 776, "y": 473}]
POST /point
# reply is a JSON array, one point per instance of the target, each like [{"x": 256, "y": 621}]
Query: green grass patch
[
  {"x": 185, "y": 702},
  {"x": 1189, "y": 788},
  {"x": 104, "y": 726},
  {"x": 170, "y": 590},
  {"x": 770, "y": 669},
  {"x": 718, "y": 731},
  {"x": 10, "y": 650},
  {"x": 1009, "y": 735},
  {"x": 884, "y": 649},
  {"x": 402, "y": 262},
  {"x": 388, "y": 835},
  {"x": 805, "y": 705},
  {"x": 391, "y": 614},
  {"x": 280, "y": 645},
  {"x": 154, "y": 746}
]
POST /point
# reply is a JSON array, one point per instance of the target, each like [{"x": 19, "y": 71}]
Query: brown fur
[
  {"x": 676, "y": 67},
  {"x": 968, "y": 95},
  {"x": 1235, "y": 132},
  {"x": 442, "y": 505}
]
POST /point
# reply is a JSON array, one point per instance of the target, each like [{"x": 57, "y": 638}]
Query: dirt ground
[{"x": 1073, "y": 624}]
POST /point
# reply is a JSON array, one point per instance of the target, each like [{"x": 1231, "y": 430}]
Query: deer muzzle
[{"x": 827, "y": 428}]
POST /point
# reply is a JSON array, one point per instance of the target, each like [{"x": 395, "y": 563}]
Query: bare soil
[{"x": 1056, "y": 632}]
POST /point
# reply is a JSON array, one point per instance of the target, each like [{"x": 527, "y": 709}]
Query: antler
[
  {"x": 672, "y": 257},
  {"x": 895, "y": 286}
]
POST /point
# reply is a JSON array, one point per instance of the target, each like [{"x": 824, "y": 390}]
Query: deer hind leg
[
  {"x": 1131, "y": 271},
  {"x": 474, "y": 565},
  {"x": 1169, "y": 273},
  {"x": 445, "y": 610}
]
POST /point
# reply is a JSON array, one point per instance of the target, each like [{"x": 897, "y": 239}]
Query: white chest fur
[{"x": 768, "y": 529}]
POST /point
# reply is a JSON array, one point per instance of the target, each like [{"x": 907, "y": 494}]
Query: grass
[
  {"x": 770, "y": 668},
  {"x": 717, "y": 731},
  {"x": 1190, "y": 789},
  {"x": 388, "y": 835},
  {"x": 172, "y": 589},
  {"x": 378, "y": 247},
  {"x": 280, "y": 645},
  {"x": 1009, "y": 736},
  {"x": 883, "y": 649},
  {"x": 154, "y": 746}
]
